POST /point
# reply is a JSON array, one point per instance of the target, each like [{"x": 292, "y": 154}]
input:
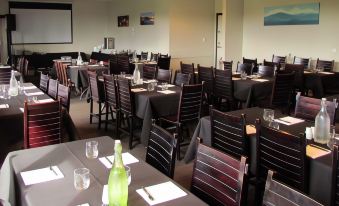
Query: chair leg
[
  {"x": 106, "y": 122},
  {"x": 99, "y": 125},
  {"x": 130, "y": 132},
  {"x": 178, "y": 128},
  {"x": 91, "y": 111}
]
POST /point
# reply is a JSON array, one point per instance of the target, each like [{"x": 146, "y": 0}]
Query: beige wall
[
  {"x": 152, "y": 38},
  {"x": 192, "y": 32},
  {"x": 90, "y": 26},
  {"x": 3, "y": 40},
  {"x": 305, "y": 41}
]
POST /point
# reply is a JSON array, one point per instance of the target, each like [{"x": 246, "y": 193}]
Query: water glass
[
  {"x": 128, "y": 174},
  {"x": 274, "y": 124},
  {"x": 81, "y": 178},
  {"x": 5, "y": 94},
  {"x": 243, "y": 75},
  {"x": 92, "y": 149},
  {"x": 268, "y": 115},
  {"x": 164, "y": 86},
  {"x": 150, "y": 86},
  {"x": 123, "y": 74},
  {"x": 309, "y": 133}
]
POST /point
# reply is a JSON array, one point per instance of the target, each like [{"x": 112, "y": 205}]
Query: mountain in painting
[{"x": 291, "y": 19}]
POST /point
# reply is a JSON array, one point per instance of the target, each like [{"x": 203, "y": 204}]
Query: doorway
[{"x": 219, "y": 42}]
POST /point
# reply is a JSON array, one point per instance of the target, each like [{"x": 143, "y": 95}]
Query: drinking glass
[
  {"x": 274, "y": 124},
  {"x": 243, "y": 75},
  {"x": 92, "y": 149},
  {"x": 128, "y": 174},
  {"x": 334, "y": 138},
  {"x": 150, "y": 86},
  {"x": 268, "y": 115},
  {"x": 164, "y": 86},
  {"x": 5, "y": 92},
  {"x": 81, "y": 178}
]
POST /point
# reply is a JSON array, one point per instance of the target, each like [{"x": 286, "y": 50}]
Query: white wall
[
  {"x": 301, "y": 40},
  {"x": 151, "y": 38},
  {"x": 3, "y": 39}
]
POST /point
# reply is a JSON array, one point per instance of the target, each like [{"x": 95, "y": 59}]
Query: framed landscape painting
[
  {"x": 147, "y": 18},
  {"x": 301, "y": 14},
  {"x": 123, "y": 21}
]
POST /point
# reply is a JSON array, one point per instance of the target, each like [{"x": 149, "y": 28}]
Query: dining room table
[
  {"x": 317, "y": 81},
  {"x": 319, "y": 157},
  {"x": 57, "y": 188},
  {"x": 17, "y": 74}
]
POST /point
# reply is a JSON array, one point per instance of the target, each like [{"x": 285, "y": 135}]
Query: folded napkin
[
  {"x": 138, "y": 90},
  {"x": 289, "y": 120},
  {"x": 41, "y": 175},
  {"x": 167, "y": 92},
  {"x": 314, "y": 151},
  {"x": 21, "y": 109},
  {"x": 5, "y": 67},
  {"x": 29, "y": 87},
  {"x": 93, "y": 65},
  {"x": 307, "y": 72},
  {"x": 326, "y": 73},
  {"x": 45, "y": 100},
  {"x": 235, "y": 78},
  {"x": 86, "y": 204},
  {"x": 161, "y": 193},
  {"x": 260, "y": 80},
  {"x": 4, "y": 106},
  {"x": 129, "y": 77},
  {"x": 127, "y": 158},
  {"x": 168, "y": 85},
  {"x": 149, "y": 81},
  {"x": 34, "y": 94}
]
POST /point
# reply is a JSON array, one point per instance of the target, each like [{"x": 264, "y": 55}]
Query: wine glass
[
  {"x": 334, "y": 138},
  {"x": 268, "y": 115}
]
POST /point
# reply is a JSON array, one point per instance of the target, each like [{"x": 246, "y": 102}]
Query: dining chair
[
  {"x": 335, "y": 177},
  {"x": 64, "y": 96},
  {"x": 326, "y": 65},
  {"x": 113, "y": 65},
  {"x": 161, "y": 150},
  {"x": 126, "y": 104},
  {"x": 164, "y": 75},
  {"x": 282, "y": 91},
  {"x": 247, "y": 68},
  {"x": 271, "y": 64},
  {"x": 97, "y": 95},
  {"x": 53, "y": 88},
  {"x": 303, "y": 61},
  {"x": 228, "y": 133},
  {"x": 205, "y": 74},
  {"x": 219, "y": 179},
  {"x": 223, "y": 89},
  {"x": 283, "y": 153},
  {"x": 111, "y": 101},
  {"x": 43, "y": 85},
  {"x": 154, "y": 56},
  {"x": 5, "y": 75},
  {"x": 279, "y": 59},
  {"x": 144, "y": 55},
  {"x": 123, "y": 64},
  {"x": 254, "y": 62},
  {"x": 149, "y": 72},
  {"x": 279, "y": 194},
  {"x": 307, "y": 108},
  {"x": 188, "y": 69},
  {"x": 266, "y": 71},
  {"x": 163, "y": 55},
  {"x": 189, "y": 111},
  {"x": 298, "y": 70},
  {"x": 42, "y": 124},
  {"x": 181, "y": 78},
  {"x": 228, "y": 65},
  {"x": 164, "y": 62}
]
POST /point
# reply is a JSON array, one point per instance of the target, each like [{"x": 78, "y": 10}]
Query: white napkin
[
  {"x": 149, "y": 81},
  {"x": 127, "y": 158},
  {"x": 41, "y": 175},
  {"x": 162, "y": 193},
  {"x": 5, "y": 67},
  {"x": 104, "y": 197},
  {"x": 45, "y": 100},
  {"x": 29, "y": 87},
  {"x": 34, "y": 94},
  {"x": 260, "y": 80},
  {"x": 129, "y": 77},
  {"x": 86, "y": 204},
  {"x": 21, "y": 109},
  {"x": 138, "y": 90},
  {"x": 93, "y": 65},
  {"x": 4, "y": 106},
  {"x": 289, "y": 120},
  {"x": 167, "y": 92},
  {"x": 326, "y": 72},
  {"x": 168, "y": 85}
]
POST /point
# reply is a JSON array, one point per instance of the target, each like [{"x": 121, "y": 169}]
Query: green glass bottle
[{"x": 117, "y": 181}]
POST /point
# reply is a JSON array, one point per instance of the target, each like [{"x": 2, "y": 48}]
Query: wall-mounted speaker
[{"x": 11, "y": 22}]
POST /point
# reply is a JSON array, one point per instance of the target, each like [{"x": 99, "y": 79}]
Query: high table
[
  {"x": 68, "y": 157},
  {"x": 319, "y": 166}
]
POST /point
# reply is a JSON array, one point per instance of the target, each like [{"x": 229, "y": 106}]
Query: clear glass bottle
[
  {"x": 117, "y": 181},
  {"x": 79, "y": 60},
  {"x": 136, "y": 75},
  {"x": 13, "y": 85},
  {"x": 322, "y": 125}
]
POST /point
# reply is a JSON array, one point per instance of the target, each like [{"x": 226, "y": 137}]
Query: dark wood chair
[
  {"x": 43, "y": 85},
  {"x": 149, "y": 72},
  {"x": 144, "y": 56},
  {"x": 335, "y": 177},
  {"x": 248, "y": 68},
  {"x": 164, "y": 75},
  {"x": 223, "y": 89},
  {"x": 266, "y": 71},
  {"x": 205, "y": 74},
  {"x": 272, "y": 64},
  {"x": 123, "y": 64},
  {"x": 5, "y": 75},
  {"x": 62, "y": 73},
  {"x": 181, "y": 78},
  {"x": 164, "y": 62},
  {"x": 189, "y": 111},
  {"x": 303, "y": 61},
  {"x": 113, "y": 65},
  {"x": 97, "y": 95},
  {"x": 279, "y": 59},
  {"x": 283, "y": 153},
  {"x": 308, "y": 108},
  {"x": 228, "y": 65},
  {"x": 326, "y": 65},
  {"x": 126, "y": 104},
  {"x": 188, "y": 69},
  {"x": 53, "y": 88},
  {"x": 42, "y": 124},
  {"x": 161, "y": 150},
  {"x": 219, "y": 179},
  {"x": 254, "y": 62},
  {"x": 112, "y": 101},
  {"x": 163, "y": 55},
  {"x": 282, "y": 91},
  {"x": 278, "y": 194},
  {"x": 154, "y": 56},
  {"x": 64, "y": 96},
  {"x": 298, "y": 70},
  {"x": 228, "y": 133}
]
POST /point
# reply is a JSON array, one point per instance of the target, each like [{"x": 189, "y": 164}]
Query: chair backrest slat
[
  {"x": 190, "y": 103},
  {"x": 64, "y": 96},
  {"x": 53, "y": 88},
  {"x": 279, "y": 59},
  {"x": 111, "y": 94},
  {"x": 149, "y": 72},
  {"x": 43, "y": 85},
  {"x": 223, "y": 84},
  {"x": 205, "y": 74},
  {"x": 181, "y": 78},
  {"x": 266, "y": 71},
  {"x": 303, "y": 61},
  {"x": 228, "y": 65},
  {"x": 282, "y": 90},
  {"x": 126, "y": 101},
  {"x": 326, "y": 65},
  {"x": 5, "y": 75}
]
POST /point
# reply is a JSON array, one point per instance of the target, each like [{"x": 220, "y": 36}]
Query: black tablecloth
[
  {"x": 78, "y": 74},
  {"x": 317, "y": 81}
]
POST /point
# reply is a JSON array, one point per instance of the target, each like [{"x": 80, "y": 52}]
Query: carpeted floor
[{"x": 79, "y": 112}]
